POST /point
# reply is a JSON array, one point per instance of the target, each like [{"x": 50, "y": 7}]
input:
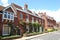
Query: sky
[{"x": 51, "y": 7}]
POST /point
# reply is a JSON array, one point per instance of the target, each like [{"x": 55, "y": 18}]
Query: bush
[
  {"x": 49, "y": 30},
  {"x": 34, "y": 33},
  {"x": 11, "y": 37},
  {"x": 0, "y": 37}
]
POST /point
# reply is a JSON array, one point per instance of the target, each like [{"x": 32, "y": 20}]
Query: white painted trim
[
  {"x": 7, "y": 16},
  {"x": 11, "y": 8}
]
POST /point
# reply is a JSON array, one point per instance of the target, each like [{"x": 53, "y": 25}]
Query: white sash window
[{"x": 8, "y": 15}]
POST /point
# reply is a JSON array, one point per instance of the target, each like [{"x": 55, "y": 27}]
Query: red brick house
[
  {"x": 49, "y": 21},
  {"x": 14, "y": 14}
]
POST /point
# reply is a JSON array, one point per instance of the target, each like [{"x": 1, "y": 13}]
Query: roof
[
  {"x": 29, "y": 11},
  {"x": 17, "y": 6},
  {"x": 1, "y": 8}
]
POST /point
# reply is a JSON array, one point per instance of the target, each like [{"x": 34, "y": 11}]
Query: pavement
[{"x": 46, "y": 36}]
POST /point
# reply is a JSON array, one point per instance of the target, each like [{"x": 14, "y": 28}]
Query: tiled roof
[
  {"x": 1, "y": 8},
  {"x": 17, "y": 6},
  {"x": 29, "y": 11}
]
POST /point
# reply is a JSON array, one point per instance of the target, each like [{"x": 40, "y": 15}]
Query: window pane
[
  {"x": 12, "y": 16},
  {"x": 32, "y": 19},
  {"x": 27, "y": 17},
  {"x": 9, "y": 15},
  {"x": 5, "y": 15},
  {"x": 21, "y": 16}
]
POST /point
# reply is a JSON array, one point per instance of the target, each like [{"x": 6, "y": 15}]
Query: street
[{"x": 49, "y": 36}]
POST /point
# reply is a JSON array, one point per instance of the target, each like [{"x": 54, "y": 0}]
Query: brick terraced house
[
  {"x": 14, "y": 17},
  {"x": 49, "y": 21}
]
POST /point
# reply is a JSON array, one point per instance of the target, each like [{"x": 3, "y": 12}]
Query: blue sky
[
  {"x": 51, "y": 7},
  {"x": 37, "y": 4}
]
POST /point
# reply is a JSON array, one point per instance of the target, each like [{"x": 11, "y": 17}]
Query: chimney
[
  {"x": 44, "y": 13},
  {"x": 25, "y": 7}
]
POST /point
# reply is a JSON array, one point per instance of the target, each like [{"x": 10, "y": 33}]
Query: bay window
[
  {"x": 12, "y": 16},
  {"x": 8, "y": 16},
  {"x": 5, "y": 14}
]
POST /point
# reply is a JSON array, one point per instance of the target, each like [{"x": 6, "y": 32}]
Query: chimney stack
[{"x": 25, "y": 7}]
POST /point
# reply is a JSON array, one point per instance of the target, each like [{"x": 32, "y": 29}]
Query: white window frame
[
  {"x": 27, "y": 19},
  {"x": 7, "y": 15},
  {"x": 37, "y": 20},
  {"x": 4, "y": 14},
  {"x": 32, "y": 19},
  {"x": 11, "y": 16}
]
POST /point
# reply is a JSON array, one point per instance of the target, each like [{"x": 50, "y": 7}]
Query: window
[
  {"x": 36, "y": 19},
  {"x": 5, "y": 14},
  {"x": 8, "y": 15},
  {"x": 21, "y": 16},
  {"x": 32, "y": 19},
  {"x": 27, "y": 18},
  {"x": 12, "y": 16}
]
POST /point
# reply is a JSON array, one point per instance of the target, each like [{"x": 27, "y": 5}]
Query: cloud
[
  {"x": 55, "y": 14},
  {"x": 4, "y": 2}
]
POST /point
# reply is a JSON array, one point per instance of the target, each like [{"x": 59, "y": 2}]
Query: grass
[
  {"x": 33, "y": 33},
  {"x": 14, "y": 36}
]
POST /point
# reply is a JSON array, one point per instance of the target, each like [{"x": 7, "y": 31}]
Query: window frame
[
  {"x": 4, "y": 15},
  {"x": 21, "y": 16},
  {"x": 27, "y": 18},
  {"x": 32, "y": 19}
]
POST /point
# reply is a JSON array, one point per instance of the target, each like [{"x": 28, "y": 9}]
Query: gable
[{"x": 10, "y": 9}]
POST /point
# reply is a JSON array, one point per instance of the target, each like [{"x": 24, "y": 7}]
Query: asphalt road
[{"x": 49, "y": 36}]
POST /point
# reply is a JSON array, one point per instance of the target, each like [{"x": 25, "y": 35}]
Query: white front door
[{"x": 6, "y": 30}]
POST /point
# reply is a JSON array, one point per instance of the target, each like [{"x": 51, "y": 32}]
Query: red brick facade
[
  {"x": 49, "y": 21},
  {"x": 17, "y": 10}
]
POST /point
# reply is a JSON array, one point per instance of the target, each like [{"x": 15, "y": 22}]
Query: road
[{"x": 49, "y": 36}]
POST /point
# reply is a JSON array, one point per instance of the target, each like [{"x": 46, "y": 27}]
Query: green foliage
[
  {"x": 49, "y": 30},
  {"x": 13, "y": 36},
  {"x": 14, "y": 29},
  {"x": 30, "y": 24},
  {"x": 24, "y": 25},
  {"x": 36, "y": 24},
  {"x": 0, "y": 37}
]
